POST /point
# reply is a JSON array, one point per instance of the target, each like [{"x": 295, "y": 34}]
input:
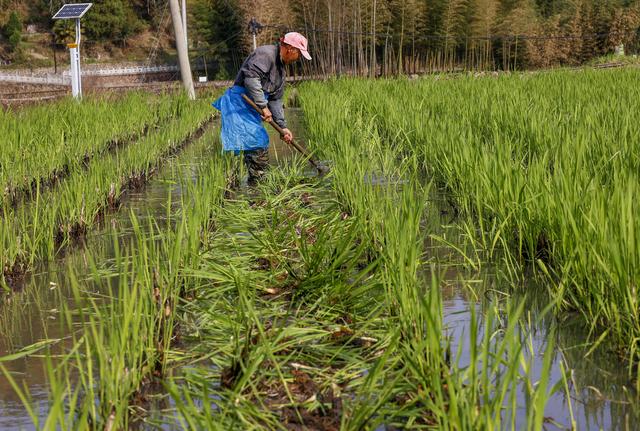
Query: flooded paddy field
[{"x": 369, "y": 298}]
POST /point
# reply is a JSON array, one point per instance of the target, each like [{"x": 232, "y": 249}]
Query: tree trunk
[{"x": 372, "y": 71}]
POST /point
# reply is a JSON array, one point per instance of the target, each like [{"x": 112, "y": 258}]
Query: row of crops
[
  {"x": 544, "y": 166},
  {"x": 63, "y": 167},
  {"x": 45, "y": 143}
]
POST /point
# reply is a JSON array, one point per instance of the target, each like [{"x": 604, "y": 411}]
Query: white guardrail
[
  {"x": 35, "y": 79},
  {"x": 65, "y": 77}
]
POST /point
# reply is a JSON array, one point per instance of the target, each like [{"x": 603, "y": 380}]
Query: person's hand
[
  {"x": 267, "y": 115},
  {"x": 287, "y": 136}
]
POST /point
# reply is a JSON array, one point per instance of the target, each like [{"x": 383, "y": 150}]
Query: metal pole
[
  {"x": 55, "y": 57},
  {"x": 254, "y": 27},
  {"x": 184, "y": 22},
  {"x": 183, "y": 54},
  {"x": 77, "y": 58}
]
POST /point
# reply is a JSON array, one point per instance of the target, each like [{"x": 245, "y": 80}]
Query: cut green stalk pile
[{"x": 548, "y": 163}]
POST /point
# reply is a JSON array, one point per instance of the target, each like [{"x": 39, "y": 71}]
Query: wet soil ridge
[
  {"x": 74, "y": 233},
  {"x": 46, "y": 144},
  {"x": 100, "y": 301},
  {"x": 130, "y": 338}
]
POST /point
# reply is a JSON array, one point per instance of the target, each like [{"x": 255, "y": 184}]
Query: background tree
[
  {"x": 624, "y": 25},
  {"x": 481, "y": 31},
  {"x": 454, "y": 27},
  {"x": 218, "y": 35},
  {"x": 112, "y": 20},
  {"x": 13, "y": 31},
  {"x": 107, "y": 22}
]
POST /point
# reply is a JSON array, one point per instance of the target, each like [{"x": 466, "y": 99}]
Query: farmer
[{"x": 262, "y": 78}]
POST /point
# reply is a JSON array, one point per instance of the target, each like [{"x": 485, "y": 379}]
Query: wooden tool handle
[
  {"x": 261, "y": 112},
  {"x": 279, "y": 130}
]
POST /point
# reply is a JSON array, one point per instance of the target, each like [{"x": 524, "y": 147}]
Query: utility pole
[
  {"x": 181, "y": 45},
  {"x": 184, "y": 22}
]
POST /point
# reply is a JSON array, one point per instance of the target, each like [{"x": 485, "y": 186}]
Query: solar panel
[{"x": 72, "y": 11}]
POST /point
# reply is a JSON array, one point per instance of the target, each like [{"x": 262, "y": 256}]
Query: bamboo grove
[{"x": 383, "y": 37}]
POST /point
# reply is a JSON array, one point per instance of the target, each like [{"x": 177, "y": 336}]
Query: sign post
[
  {"x": 76, "y": 90},
  {"x": 74, "y": 11}
]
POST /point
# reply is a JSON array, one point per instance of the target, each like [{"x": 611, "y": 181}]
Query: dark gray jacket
[{"x": 263, "y": 72}]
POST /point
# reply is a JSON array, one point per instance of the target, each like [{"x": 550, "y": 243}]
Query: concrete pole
[
  {"x": 184, "y": 22},
  {"x": 181, "y": 45}
]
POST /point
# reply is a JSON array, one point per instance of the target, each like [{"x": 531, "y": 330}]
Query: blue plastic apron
[{"x": 242, "y": 128}]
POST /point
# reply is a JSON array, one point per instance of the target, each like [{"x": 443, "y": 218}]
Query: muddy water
[
  {"x": 598, "y": 382},
  {"x": 33, "y": 314},
  {"x": 601, "y": 392}
]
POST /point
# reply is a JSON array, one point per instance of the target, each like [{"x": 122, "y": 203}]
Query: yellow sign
[{"x": 72, "y": 45}]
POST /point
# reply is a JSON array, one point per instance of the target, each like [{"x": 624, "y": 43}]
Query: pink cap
[{"x": 297, "y": 41}]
